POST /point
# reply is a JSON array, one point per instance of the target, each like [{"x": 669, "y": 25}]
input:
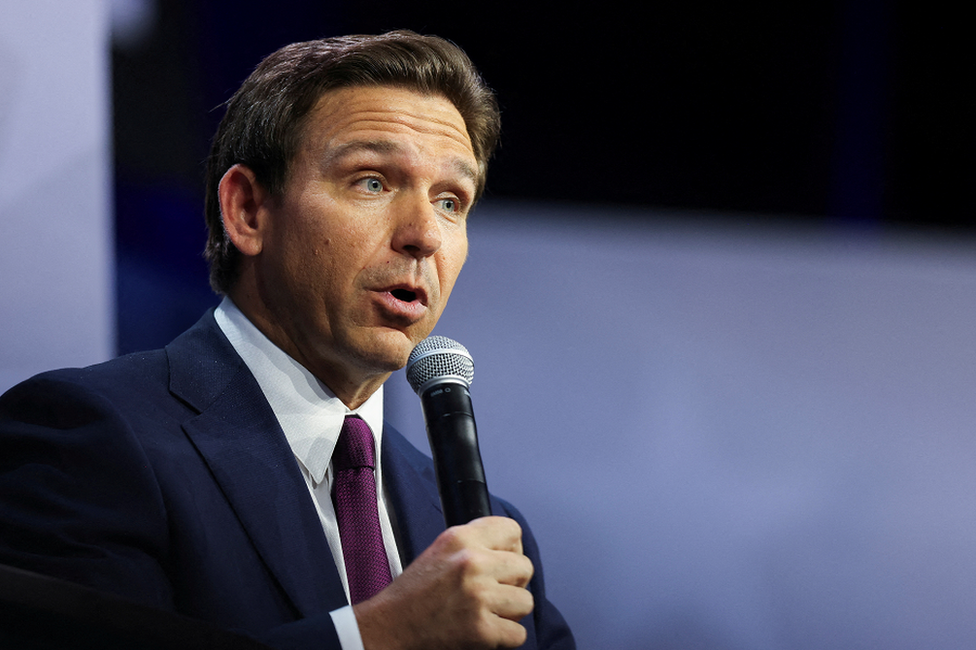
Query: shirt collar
[{"x": 309, "y": 413}]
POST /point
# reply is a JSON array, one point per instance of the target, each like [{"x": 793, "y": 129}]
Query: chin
[{"x": 390, "y": 353}]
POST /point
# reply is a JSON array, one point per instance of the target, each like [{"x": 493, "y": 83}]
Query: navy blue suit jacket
[{"x": 164, "y": 477}]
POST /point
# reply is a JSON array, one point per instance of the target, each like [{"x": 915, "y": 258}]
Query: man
[{"x": 339, "y": 184}]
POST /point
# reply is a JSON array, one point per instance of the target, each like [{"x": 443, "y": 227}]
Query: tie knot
[{"x": 355, "y": 445}]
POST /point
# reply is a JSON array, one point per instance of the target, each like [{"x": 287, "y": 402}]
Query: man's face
[{"x": 364, "y": 245}]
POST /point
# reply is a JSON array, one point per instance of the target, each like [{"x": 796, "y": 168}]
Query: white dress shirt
[{"x": 311, "y": 417}]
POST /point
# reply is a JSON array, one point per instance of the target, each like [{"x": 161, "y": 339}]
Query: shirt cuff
[{"x": 347, "y": 628}]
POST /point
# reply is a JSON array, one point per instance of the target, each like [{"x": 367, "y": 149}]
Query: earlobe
[{"x": 242, "y": 207}]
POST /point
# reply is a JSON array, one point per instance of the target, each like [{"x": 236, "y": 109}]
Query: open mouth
[{"x": 404, "y": 295}]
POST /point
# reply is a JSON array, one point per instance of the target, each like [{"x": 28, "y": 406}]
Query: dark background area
[{"x": 849, "y": 114}]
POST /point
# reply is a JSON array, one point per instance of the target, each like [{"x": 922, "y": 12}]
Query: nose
[{"x": 418, "y": 229}]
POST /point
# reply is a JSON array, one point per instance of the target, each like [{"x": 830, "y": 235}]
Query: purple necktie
[{"x": 367, "y": 567}]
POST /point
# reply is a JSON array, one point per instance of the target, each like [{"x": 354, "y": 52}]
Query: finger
[
  {"x": 509, "y": 568},
  {"x": 509, "y": 634},
  {"x": 498, "y": 533},
  {"x": 512, "y": 603}
]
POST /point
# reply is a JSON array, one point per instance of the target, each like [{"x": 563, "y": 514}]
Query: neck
[{"x": 350, "y": 384}]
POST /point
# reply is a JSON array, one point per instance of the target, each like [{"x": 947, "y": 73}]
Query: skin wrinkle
[
  {"x": 395, "y": 119},
  {"x": 330, "y": 250},
  {"x": 348, "y": 151}
]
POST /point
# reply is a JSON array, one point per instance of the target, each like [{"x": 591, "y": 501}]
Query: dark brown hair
[{"x": 265, "y": 117}]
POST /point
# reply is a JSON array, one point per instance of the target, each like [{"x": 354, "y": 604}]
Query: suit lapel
[
  {"x": 412, "y": 491},
  {"x": 240, "y": 439}
]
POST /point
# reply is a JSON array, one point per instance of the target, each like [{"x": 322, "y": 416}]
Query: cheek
[
  {"x": 453, "y": 259},
  {"x": 448, "y": 276}
]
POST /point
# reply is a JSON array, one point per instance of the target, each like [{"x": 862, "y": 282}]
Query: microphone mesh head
[{"x": 437, "y": 359}]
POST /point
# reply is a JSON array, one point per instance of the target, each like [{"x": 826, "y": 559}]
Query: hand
[{"x": 467, "y": 590}]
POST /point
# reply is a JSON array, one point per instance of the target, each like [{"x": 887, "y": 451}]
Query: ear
[{"x": 243, "y": 203}]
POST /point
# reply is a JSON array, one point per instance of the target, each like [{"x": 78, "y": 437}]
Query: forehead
[{"x": 392, "y": 115}]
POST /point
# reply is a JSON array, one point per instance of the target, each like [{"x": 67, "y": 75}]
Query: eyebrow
[{"x": 347, "y": 149}]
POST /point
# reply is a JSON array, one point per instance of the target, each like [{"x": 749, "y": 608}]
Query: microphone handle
[{"x": 453, "y": 440}]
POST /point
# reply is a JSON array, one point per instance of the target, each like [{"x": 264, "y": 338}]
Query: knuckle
[
  {"x": 468, "y": 561},
  {"x": 513, "y": 635},
  {"x": 453, "y": 536},
  {"x": 516, "y": 528},
  {"x": 511, "y": 527},
  {"x": 528, "y": 600}
]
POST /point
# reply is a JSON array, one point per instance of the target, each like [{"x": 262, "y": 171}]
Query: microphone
[{"x": 440, "y": 371}]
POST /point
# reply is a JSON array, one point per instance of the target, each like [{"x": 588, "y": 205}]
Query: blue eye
[
  {"x": 374, "y": 185},
  {"x": 450, "y": 205}
]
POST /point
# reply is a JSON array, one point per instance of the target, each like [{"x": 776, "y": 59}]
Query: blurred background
[{"x": 720, "y": 296}]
